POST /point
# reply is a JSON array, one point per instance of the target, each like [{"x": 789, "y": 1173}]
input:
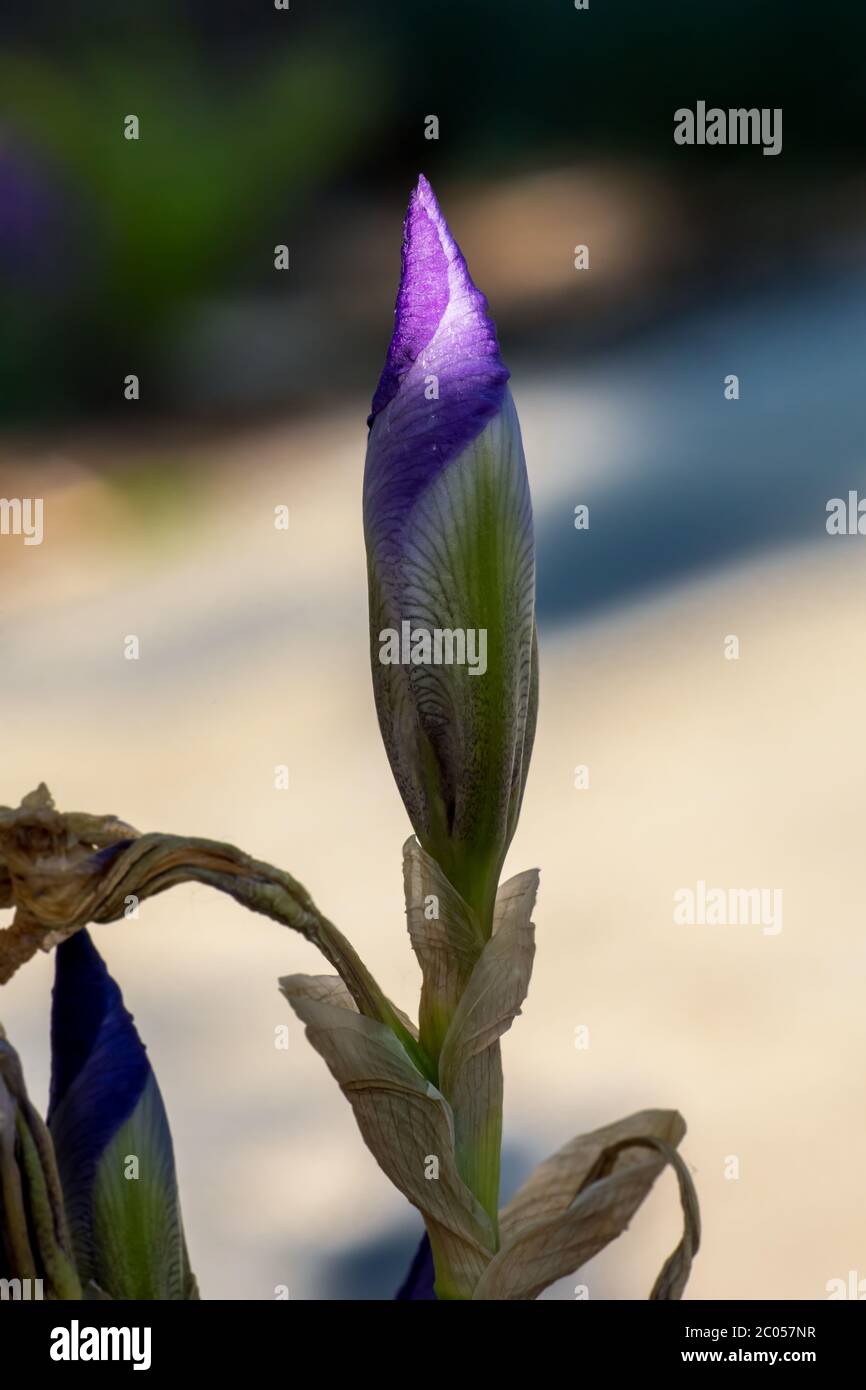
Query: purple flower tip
[
  {"x": 436, "y": 291},
  {"x": 443, "y": 378}
]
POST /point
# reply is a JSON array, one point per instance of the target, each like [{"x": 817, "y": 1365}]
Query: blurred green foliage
[
  {"x": 139, "y": 229},
  {"x": 172, "y": 209}
]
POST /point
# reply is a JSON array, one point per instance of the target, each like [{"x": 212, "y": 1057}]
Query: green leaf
[{"x": 138, "y": 1243}]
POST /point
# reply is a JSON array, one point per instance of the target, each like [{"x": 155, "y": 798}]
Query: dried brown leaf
[
  {"x": 405, "y": 1122},
  {"x": 445, "y": 937},
  {"x": 578, "y": 1201}
]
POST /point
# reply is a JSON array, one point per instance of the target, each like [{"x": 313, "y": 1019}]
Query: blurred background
[{"x": 155, "y": 257}]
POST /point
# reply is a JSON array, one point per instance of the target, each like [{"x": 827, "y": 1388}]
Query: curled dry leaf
[
  {"x": 676, "y": 1269},
  {"x": 581, "y": 1199},
  {"x": 49, "y": 862},
  {"x": 62, "y": 872}
]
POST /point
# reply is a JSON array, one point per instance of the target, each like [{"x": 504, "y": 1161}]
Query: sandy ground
[{"x": 747, "y": 773}]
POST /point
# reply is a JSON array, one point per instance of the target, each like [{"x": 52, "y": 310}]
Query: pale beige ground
[{"x": 253, "y": 653}]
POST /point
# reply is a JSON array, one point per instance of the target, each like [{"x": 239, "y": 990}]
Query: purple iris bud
[
  {"x": 451, "y": 566},
  {"x": 111, "y": 1137},
  {"x": 436, "y": 293}
]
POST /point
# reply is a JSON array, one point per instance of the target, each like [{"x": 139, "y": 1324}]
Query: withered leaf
[
  {"x": 405, "y": 1122},
  {"x": 578, "y": 1201},
  {"x": 445, "y": 937}
]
